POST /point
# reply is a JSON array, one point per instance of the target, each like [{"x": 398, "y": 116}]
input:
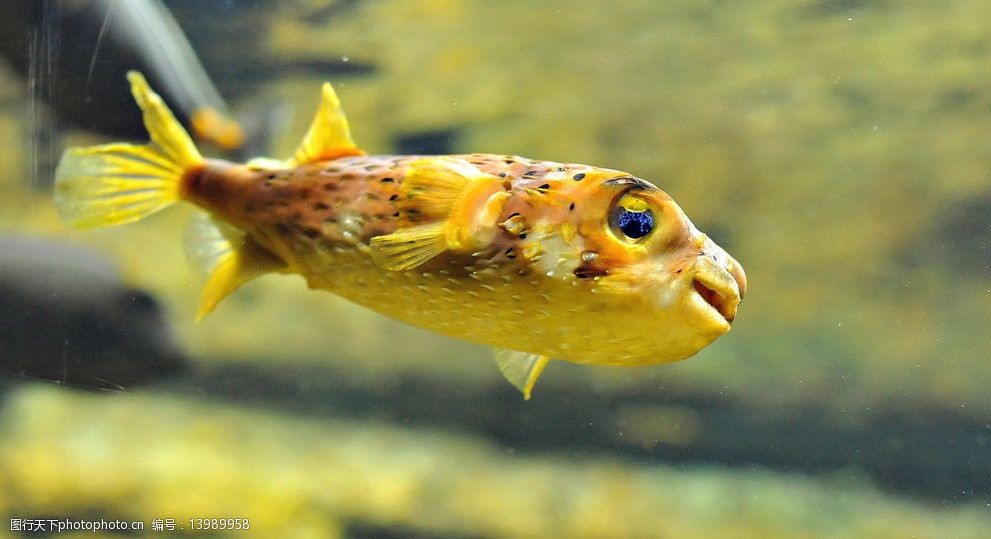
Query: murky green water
[{"x": 841, "y": 150}]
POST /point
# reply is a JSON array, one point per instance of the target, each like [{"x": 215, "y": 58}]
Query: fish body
[{"x": 537, "y": 258}]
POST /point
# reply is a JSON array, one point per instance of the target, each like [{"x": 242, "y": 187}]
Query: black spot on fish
[
  {"x": 571, "y": 207},
  {"x": 387, "y": 180},
  {"x": 578, "y": 177},
  {"x": 510, "y": 253},
  {"x": 544, "y": 187},
  {"x": 393, "y": 198},
  {"x": 589, "y": 272},
  {"x": 502, "y": 174},
  {"x": 560, "y": 169},
  {"x": 311, "y": 233},
  {"x": 523, "y": 235},
  {"x": 320, "y": 206},
  {"x": 281, "y": 228}
]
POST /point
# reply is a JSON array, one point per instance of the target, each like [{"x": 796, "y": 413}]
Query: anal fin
[
  {"x": 521, "y": 369},
  {"x": 229, "y": 256}
]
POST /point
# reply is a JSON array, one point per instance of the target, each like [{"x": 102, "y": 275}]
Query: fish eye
[{"x": 632, "y": 218}]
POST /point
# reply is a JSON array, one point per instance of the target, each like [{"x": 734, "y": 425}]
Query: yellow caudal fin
[
  {"x": 114, "y": 184},
  {"x": 227, "y": 255},
  {"x": 460, "y": 204},
  {"x": 329, "y": 136}
]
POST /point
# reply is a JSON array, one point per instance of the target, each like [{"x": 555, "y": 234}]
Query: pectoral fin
[
  {"x": 227, "y": 255},
  {"x": 459, "y": 203},
  {"x": 410, "y": 247},
  {"x": 521, "y": 369},
  {"x": 435, "y": 186}
]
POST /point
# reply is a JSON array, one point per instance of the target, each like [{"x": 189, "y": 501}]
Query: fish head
[{"x": 640, "y": 249}]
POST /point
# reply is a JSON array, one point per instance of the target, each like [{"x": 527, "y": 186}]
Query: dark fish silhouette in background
[
  {"x": 75, "y": 53},
  {"x": 66, "y": 316}
]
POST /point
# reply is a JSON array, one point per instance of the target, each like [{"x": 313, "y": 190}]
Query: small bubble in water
[{"x": 345, "y": 59}]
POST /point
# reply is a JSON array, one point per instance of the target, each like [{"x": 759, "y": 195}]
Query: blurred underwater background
[{"x": 839, "y": 149}]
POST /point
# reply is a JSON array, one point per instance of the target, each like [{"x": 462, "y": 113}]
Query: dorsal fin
[
  {"x": 521, "y": 368},
  {"x": 329, "y": 136},
  {"x": 227, "y": 255}
]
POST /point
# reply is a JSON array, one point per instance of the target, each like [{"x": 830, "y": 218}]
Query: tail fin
[{"x": 114, "y": 184}]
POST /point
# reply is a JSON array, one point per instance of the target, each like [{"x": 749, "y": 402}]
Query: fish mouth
[
  {"x": 716, "y": 300},
  {"x": 717, "y": 289}
]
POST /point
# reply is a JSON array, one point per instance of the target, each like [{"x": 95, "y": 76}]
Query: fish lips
[{"x": 716, "y": 290}]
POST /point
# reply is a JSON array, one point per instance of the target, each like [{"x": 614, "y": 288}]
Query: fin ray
[
  {"x": 165, "y": 131},
  {"x": 447, "y": 192},
  {"x": 329, "y": 135},
  {"x": 410, "y": 247},
  {"x": 114, "y": 184},
  {"x": 434, "y": 185},
  {"x": 227, "y": 255},
  {"x": 521, "y": 369},
  {"x": 204, "y": 242}
]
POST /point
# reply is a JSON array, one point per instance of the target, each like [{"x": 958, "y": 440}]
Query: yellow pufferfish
[{"x": 539, "y": 259}]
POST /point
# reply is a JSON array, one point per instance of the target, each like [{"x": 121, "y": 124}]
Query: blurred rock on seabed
[
  {"x": 66, "y": 316},
  {"x": 141, "y": 455}
]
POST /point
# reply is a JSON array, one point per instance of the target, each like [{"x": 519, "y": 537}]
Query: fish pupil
[{"x": 635, "y": 224}]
